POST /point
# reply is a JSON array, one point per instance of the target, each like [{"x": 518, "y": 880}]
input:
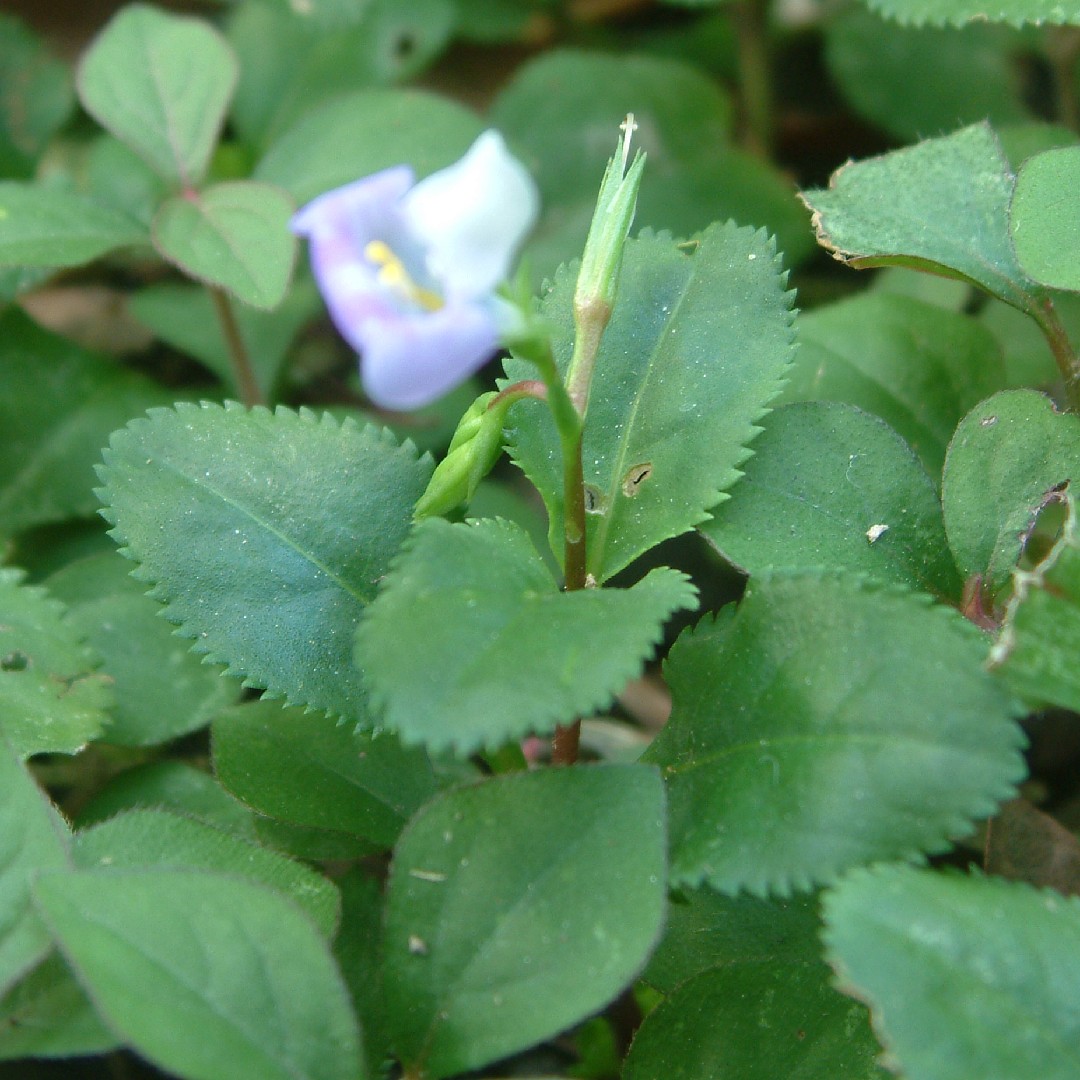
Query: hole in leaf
[
  {"x": 14, "y": 661},
  {"x": 634, "y": 477},
  {"x": 595, "y": 503}
]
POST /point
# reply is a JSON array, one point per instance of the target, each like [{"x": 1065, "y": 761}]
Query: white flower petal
[{"x": 472, "y": 216}]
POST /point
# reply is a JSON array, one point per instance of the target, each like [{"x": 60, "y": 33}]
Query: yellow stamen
[{"x": 392, "y": 273}]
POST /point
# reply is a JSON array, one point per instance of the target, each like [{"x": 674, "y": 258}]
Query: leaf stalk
[
  {"x": 246, "y": 384},
  {"x": 1065, "y": 355}
]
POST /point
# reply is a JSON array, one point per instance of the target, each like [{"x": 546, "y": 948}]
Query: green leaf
[
  {"x": 35, "y": 97},
  {"x": 170, "y": 785},
  {"x": 706, "y": 929},
  {"x": 561, "y": 113},
  {"x": 919, "y": 81},
  {"x": 195, "y": 970},
  {"x": 291, "y": 63},
  {"x": 360, "y": 133},
  {"x": 827, "y": 723},
  {"x": 58, "y": 404},
  {"x": 961, "y": 12},
  {"x": 117, "y": 177},
  {"x": 32, "y": 838},
  {"x": 1040, "y": 637},
  {"x": 142, "y": 839},
  {"x": 517, "y": 907},
  {"x": 1007, "y": 457},
  {"x": 52, "y": 700},
  {"x": 305, "y": 769},
  {"x": 161, "y": 689},
  {"x": 277, "y": 513},
  {"x": 184, "y": 316},
  {"x": 680, "y": 384},
  {"x": 471, "y": 643},
  {"x": 1045, "y": 218},
  {"x": 831, "y": 486},
  {"x": 235, "y": 235},
  {"x": 53, "y": 227},
  {"x": 160, "y": 83},
  {"x": 919, "y": 367},
  {"x": 755, "y": 1022},
  {"x": 47, "y": 1015},
  {"x": 941, "y": 206},
  {"x": 965, "y": 976}
]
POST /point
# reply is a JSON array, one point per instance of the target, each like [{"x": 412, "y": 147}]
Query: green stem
[
  {"x": 569, "y": 424},
  {"x": 244, "y": 374},
  {"x": 1064, "y": 354},
  {"x": 750, "y": 18}
]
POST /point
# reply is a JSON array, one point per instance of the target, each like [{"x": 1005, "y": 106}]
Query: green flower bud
[
  {"x": 615, "y": 206},
  {"x": 598, "y": 278},
  {"x": 473, "y": 451}
]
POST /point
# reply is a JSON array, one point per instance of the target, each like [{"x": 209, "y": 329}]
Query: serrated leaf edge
[
  {"x": 157, "y": 590},
  {"x": 753, "y": 428},
  {"x": 463, "y": 746},
  {"x": 961, "y": 824},
  {"x": 91, "y": 661},
  {"x": 986, "y": 15}
]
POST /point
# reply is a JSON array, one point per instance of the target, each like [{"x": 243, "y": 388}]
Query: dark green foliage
[{"x": 306, "y": 783}]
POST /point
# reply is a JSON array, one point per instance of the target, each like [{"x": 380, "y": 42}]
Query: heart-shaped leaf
[
  {"x": 160, "y": 83},
  {"x": 941, "y": 205},
  {"x": 235, "y": 235}
]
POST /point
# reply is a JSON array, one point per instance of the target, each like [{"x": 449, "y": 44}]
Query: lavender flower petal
[
  {"x": 407, "y": 271},
  {"x": 410, "y": 360}
]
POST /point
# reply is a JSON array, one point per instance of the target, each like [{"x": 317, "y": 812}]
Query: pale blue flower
[{"x": 408, "y": 270}]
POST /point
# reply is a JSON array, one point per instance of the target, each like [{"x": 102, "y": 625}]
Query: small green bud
[
  {"x": 473, "y": 451},
  {"x": 601, "y": 262},
  {"x": 615, "y": 206}
]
